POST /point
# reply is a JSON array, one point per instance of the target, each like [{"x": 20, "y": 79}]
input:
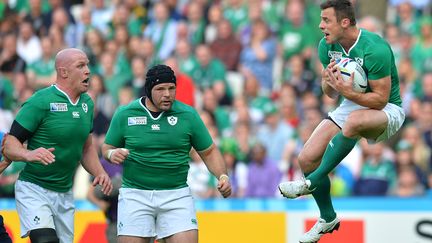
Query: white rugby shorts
[
  {"x": 42, "y": 208},
  {"x": 395, "y": 116},
  {"x": 155, "y": 213}
]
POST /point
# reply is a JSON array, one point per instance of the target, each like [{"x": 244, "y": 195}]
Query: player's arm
[
  {"x": 327, "y": 63},
  {"x": 376, "y": 99},
  {"x": 4, "y": 164},
  {"x": 215, "y": 163},
  {"x": 113, "y": 154},
  {"x": 378, "y": 64},
  {"x": 14, "y": 148},
  {"x": 92, "y": 165},
  {"x": 326, "y": 88}
]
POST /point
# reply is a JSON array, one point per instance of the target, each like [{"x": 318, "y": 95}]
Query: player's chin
[{"x": 165, "y": 106}]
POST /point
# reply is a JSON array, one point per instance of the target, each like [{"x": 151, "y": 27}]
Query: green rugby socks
[{"x": 338, "y": 148}]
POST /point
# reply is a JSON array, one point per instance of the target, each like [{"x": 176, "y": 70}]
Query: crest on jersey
[
  {"x": 335, "y": 55},
  {"x": 172, "y": 120},
  {"x": 85, "y": 107}
]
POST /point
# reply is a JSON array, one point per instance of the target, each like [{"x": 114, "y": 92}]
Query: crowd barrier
[{"x": 364, "y": 220}]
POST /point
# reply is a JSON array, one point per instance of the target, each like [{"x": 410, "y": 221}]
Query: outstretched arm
[
  {"x": 216, "y": 165},
  {"x": 91, "y": 164}
]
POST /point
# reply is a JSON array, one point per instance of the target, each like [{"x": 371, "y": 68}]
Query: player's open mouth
[{"x": 86, "y": 81}]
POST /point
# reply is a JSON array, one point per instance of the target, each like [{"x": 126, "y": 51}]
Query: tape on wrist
[
  {"x": 224, "y": 177},
  {"x": 110, "y": 151}
]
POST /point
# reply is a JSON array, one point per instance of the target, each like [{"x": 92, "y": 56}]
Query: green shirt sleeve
[
  {"x": 323, "y": 53},
  {"x": 378, "y": 62},
  {"x": 32, "y": 113},
  {"x": 114, "y": 135},
  {"x": 200, "y": 139}
]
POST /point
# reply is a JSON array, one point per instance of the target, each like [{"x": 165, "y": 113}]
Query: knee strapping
[{"x": 44, "y": 235}]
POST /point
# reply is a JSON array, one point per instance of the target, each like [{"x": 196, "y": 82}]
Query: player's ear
[{"x": 345, "y": 22}]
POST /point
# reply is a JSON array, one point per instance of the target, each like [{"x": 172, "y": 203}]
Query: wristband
[
  {"x": 224, "y": 176},
  {"x": 110, "y": 151}
]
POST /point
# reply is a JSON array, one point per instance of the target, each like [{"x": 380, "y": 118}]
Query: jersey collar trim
[
  {"x": 148, "y": 112},
  {"x": 355, "y": 43},
  {"x": 67, "y": 96}
]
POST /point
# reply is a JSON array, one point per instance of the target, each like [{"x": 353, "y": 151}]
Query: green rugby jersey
[
  {"x": 158, "y": 147},
  {"x": 56, "y": 122},
  {"x": 373, "y": 53}
]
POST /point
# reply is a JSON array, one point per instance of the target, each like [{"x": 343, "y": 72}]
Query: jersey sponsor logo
[
  {"x": 155, "y": 127},
  {"x": 84, "y": 107},
  {"x": 335, "y": 54},
  {"x": 58, "y": 107},
  {"x": 138, "y": 120},
  {"x": 359, "y": 60},
  {"x": 172, "y": 120},
  {"x": 75, "y": 114}
]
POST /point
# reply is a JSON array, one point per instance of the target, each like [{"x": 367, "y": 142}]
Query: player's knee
[
  {"x": 304, "y": 161},
  {"x": 44, "y": 235}
]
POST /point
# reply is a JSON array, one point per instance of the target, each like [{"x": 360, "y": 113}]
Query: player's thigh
[
  {"x": 314, "y": 148},
  {"x": 367, "y": 123},
  {"x": 190, "y": 236},
  {"x": 34, "y": 207},
  {"x": 176, "y": 213},
  {"x": 134, "y": 239},
  {"x": 136, "y": 213},
  {"x": 64, "y": 210}
]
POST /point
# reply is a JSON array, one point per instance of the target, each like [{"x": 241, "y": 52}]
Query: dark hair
[{"x": 343, "y": 9}]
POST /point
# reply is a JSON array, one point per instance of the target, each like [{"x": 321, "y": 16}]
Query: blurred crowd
[{"x": 249, "y": 67}]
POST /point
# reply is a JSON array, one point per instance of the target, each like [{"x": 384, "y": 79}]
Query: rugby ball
[{"x": 347, "y": 66}]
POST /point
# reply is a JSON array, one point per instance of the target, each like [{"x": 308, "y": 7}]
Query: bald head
[
  {"x": 72, "y": 72},
  {"x": 66, "y": 56}
]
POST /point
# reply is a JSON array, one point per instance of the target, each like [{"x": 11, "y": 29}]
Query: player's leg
[
  {"x": 182, "y": 237},
  {"x": 136, "y": 216},
  {"x": 176, "y": 221},
  {"x": 43, "y": 235},
  {"x": 310, "y": 158},
  {"x": 4, "y": 236},
  {"x": 64, "y": 211},
  {"x": 134, "y": 239},
  {"x": 368, "y": 123},
  {"x": 34, "y": 210}
]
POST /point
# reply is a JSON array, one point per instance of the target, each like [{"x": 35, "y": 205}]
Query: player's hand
[
  {"x": 105, "y": 182},
  {"x": 224, "y": 186},
  {"x": 118, "y": 155},
  {"x": 42, "y": 155},
  {"x": 344, "y": 87}
]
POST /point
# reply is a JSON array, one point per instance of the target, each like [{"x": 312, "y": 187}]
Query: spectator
[
  {"x": 201, "y": 182},
  {"x": 162, "y": 31},
  {"x": 226, "y": 47},
  {"x": 210, "y": 73},
  {"x": 41, "y": 73},
  {"x": 280, "y": 132},
  {"x": 10, "y": 61},
  {"x": 185, "y": 85},
  {"x": 237, "y": 170},
  {"x": 257, "y": 57},
  {"x": 263, "y": 174},
  {"x": 28, "y": 44},
  {"x": 378, "y": 175},
  {"x": 108, "y": 203},
  {"x": 195, "y": 23}
]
